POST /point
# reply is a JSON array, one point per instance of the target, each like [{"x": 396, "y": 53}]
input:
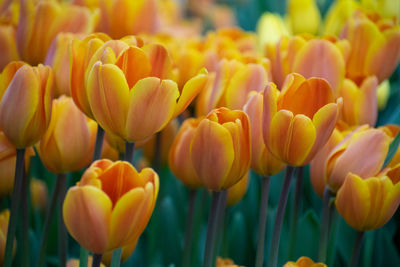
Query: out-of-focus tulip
[
  {"x": 68, "y": 143},
  {"x": 25, "y": 106},
  {"x": 8, "y": 46},
  {"x": 8, "y": 159},
  {"x": 179, "y": 159},
  {"x": 304, "y": 262},
  {"x": 362, "y": 152},
  {"x": 338, "y": 14},
  {"x": 360, "y": 105},
  {"x": 221, "y": 148},
  {"x": 262, "y": 161},
  {"x": 126, "y": 253},
  {"x": 4, "y": 219},
  {"x": 270, "y": 28},
  {"x": 383, "y": 94},
  {"x": 121, "y": 202},
  {"x": 237, "y": 191},
  {"x": 76, "y": 263},
  {"x": 389, "y": 9},
  {"x": 375, "y": 47},
  {"x": 225, "y": 262},
  {"x": 367, "y": 203},
  {"x": 304, "y": 16},
  {"x": 39, "y": 194},
  {"x": 299, "y": 121},
  {"x": 40, "y": 22}
]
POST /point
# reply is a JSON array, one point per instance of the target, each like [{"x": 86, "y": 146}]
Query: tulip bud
[
  {"x": 4, "y": 219},
  {"x": 221, "y": 148},
  {"x": 25, "y": 106},
  {"x": 304, "y": 262},
  {"x": 120, "y": 201}
]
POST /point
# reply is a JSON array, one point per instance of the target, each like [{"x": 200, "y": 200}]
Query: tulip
[
  {"x": 179, "y": 159},
  {"x": 360, "y": 105},
  {"x": 34, "y": 35},
  {"x": 225, "y": 263},
  {"x": 120, "y": 201},
  {"x": 4, "y": 219},
  {"x": 304, "y": 262},
  {"x": 237, "y": 191},
  {"x": 25, "y": 106},
  {"x": 389, "y": 9},
  {"x": 375, "y": 47},
  {"x": 298, "y": 121},
  {"x": 304, "y": 16},
  {"x": 270, "y": 28},
  {"x": 221, "y": 149},
  {"x": 339, "y": 12},
  {"x": 8, "y": 45},
  {"x": 39, "y": 194},
  {"x": 367, "y": 203},
  {"x": 383, "y": 94},
  {"x": 68, "y": 143},
  {"x": 76, "y": 262}
]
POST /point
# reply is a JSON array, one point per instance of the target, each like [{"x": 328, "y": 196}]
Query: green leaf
[{"x": 392, "y": 150}]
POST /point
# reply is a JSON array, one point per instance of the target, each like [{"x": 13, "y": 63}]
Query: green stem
[
  {"x": 99, "y": 143},
  {"x": 97, "y": 260},
  {"x": 357, "y": 248},
  {"x": 295, "y": 211},
  {"x": 116, "y": 258},
  {"x": 211, "y": 229},
  {"x": 187, "y": 249},
  {"x": 273, "y": 259},
  {"x": 47, "y": 222},
  {"x": 25, "y": 220},
  {"x": 333, "y": 228},
  {"x": 129, "y": 151},
  {"x": 262, "y": 220},
  {"x": 83, "y": 257},
  {"x": 16, "y": 197},
  {"x": 325, "y": 222},
  {"x": 62, "y": 231},
  {"x": 220, "y": 223}
]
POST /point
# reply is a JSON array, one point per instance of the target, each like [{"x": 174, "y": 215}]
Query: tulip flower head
[
  {"x": 120, "y": 201},
  {"x": 304, "y": 262}
]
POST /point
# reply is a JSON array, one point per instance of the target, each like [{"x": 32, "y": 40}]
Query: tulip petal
[
  {"x": 269, "y": 109},
  {"x": 160, "y": 61},
  {"x": 390, "y": 204}
]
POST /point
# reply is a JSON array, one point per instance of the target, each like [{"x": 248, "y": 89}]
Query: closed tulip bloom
[
  {"x": 299, "y": 121},
  {"x": 25, "y": 106},
  {"x": 367, "y": 203},
  {"x": 8, "y": 45},
  {"x": 237, "y": 192},
  {"x": 39, "y": 194},
  {"x": 221, "y": 148},
  {"x": 304, "y": 16},
  {"x": 304, "y": 262},
  {"x": 262, "y": 161},
  {"x": 120, "y": 201},
  {"x": 179, "y": 159},
  {"x": 4, "y": 219},
  {"x": 68, "y": 143}
]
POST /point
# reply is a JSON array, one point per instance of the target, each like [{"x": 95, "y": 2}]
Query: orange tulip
[
  {"x": 304, "y": 262},
  {"x": 367, "y": 203},
  {"x": 179, "y": 159},
  {"x": 225, "y": 263},
  {"x": 4, "y": 219},
  {"x": 68, "y": 143},
  {"x": 120, "y": 201},
  {"x": 25, "y": 107},
  {"x": 221, "y": 148},
  {"x": 237, "y": 191},
  {"x": 299, "y": 121},
  {"x": 8, "y": 45},
  {"x": 39, "y": 194},
  {"x": 262, "y": 161}
]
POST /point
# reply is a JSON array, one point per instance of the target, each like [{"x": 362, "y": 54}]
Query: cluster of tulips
[{"x": 84, "y": 84}]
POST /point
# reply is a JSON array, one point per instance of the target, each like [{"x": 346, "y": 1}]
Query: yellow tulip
[
  {"x": 25, "y": 107},
  {"x": 338, "y": 14},
  {"x": 304, "y": 16},
  {"x": 304, "y": 262},
  {"x": 299, "y": 121},
  {"x": 237, "y": 191},
  {"x": 270, "y": 28},
  {"x": 386, "y": 8},
  {"x": 68, "y": 143},
  {"x": 367, "y": 203},
  {"x": 120, "y": 201},
  {"x": 383, "y": 94},
  {"x": 221, "y": 148},
  {"x": 8, "y": 45},
  {"x": 4, "y": 219}
]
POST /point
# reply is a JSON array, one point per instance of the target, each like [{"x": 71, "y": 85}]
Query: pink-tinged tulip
[
  {"x": 262, "y": 161},
  {"x": 40, "y": 22},
  {"x": 299, "y": 121},
  {"x": 367, "y": 203},
  {"x": 237, "y": 191},
  {"x": 68, "y": 143},
  {"x": 8, "y": 155},
  {"x": 360, "y": 105},
  {"x": 25, "y": 106},
  {"x": 4, "y": 219},
  {"x": 362, "y": 153},
  {"x": 120, "y": 201},
  {"x": 179, "y": 159},
  {"x": 39, "y": 194},
  {"x": 304, "y": 262},
  {"x": 375, "y": 47},
  {"x": 8, "y": 46},
  {"x": 221, "y": 148}
]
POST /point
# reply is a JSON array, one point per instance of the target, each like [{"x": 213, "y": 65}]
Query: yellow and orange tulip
[
  {"x": 39, "y": 194},
  {"x": 8, "y": 45},
  {"x": 304, "y": 262},
  {"x": 121, "y": 202},
  {"x": 237, "y": 191},
  {"x": 299, "y": 121},
  {"x": 4, "y": 219}
]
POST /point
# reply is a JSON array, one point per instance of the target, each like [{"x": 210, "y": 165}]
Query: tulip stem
[
  {"x": 212, "y": 228},
  {"x": 99, "y": 143},
  {"x": 116, "y": 257},
  {"x": 357, "y": 248},
  {"x": 187, "y": 249},
  {"x": 129, "y": 151},
  {"x": 15, "y": 199},
  {"x": 62, "y": 231},
  {"x": 25, "y": 220},
  {"x": 221, "y": 222},
  {"x": 97, "y": 260},
  {"x": 262, "y": 220},
  {"x": 295, "y": 210},
  {"x": 273, "y": 259},
  {"x": 325, "y": 222},
  {"x": 83, "y": 257},
  {"x": 49, "y": 215}
]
